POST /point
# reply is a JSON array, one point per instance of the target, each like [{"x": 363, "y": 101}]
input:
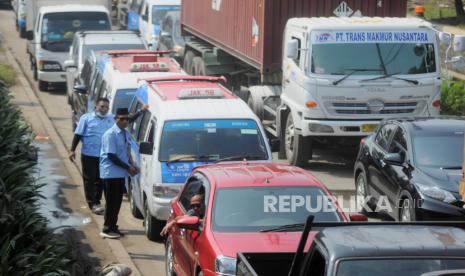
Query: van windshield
[
  {"x": 372, "y": 53},
  {"x": 58, "y": 28},
  {"x": 211, "y": 140}
]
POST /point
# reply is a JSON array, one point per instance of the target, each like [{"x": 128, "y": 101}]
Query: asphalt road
[{"x": 332, "y": 167}]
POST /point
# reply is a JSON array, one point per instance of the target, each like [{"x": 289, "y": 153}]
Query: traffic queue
[{"x": 196, "y": 163}]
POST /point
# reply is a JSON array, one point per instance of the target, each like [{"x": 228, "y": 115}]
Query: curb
[{"x": 116, "y": 246}]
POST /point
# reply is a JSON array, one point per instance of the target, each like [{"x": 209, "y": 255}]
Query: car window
[
  {"x": 194, "y": 186},
  {"x": 152, "y": 130},
  {"x": 384, "y": 134},
  {"x": 134, "y": 129},
  {"x": 144, "y": 125},
  {"x": 317, "y": 263},
  {"x": 399, "y": 142}
]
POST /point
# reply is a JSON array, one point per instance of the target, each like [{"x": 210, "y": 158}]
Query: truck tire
[
  {"x": 187, "y": 64},
  {"x": 22, "y": 32},
  {"x": 34, "y": 70},
  {"x": 43, "y": 85},
  {"x": 152, "y": 225},
  {"x": 198, "y": 67},
  {"x": 135, "y": 212},
  {"x": 298, "y": 148}
]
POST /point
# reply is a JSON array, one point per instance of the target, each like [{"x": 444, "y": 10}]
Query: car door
[
  {"x": 145, "y": 163},
  {"x": 182, "y": 239},
  {"x": 375, "y": 174}
]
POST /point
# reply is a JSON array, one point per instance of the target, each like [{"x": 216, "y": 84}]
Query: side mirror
[
  {"x": 69, "y": 63},
  {"x": 274, "y": 144},
  {"x": 30, "y": 35},
  {"x": 394, "y": 159},
  {"x": 357, "y": 217},
  {"x": 80, "y": 89},
  {"x": 459, "y": 43},
  {"x": 188, "y": 222},
  {"x": 146, "y": 148},
  {"x": 445, "y": 38},
  {"x": 145, "y": 17},
  {"x": 292, "y": 49}
]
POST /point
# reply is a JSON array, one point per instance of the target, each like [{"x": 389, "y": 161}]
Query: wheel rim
[
  {"x": 360, "y": 192},
  {"x": 405, "y": 213},
  {"x": 169, "y": 260},
  {"x": 289, "y": 138}
]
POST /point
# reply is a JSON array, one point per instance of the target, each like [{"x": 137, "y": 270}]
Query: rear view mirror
[
  {"x": 30, "y": 35},
  {"x": 292, "y": 49},
  {"x": 394, "y": 159},
  {"x": 445, "y": 38},
  {"x": 459, "y": 43},
  {"x": 357, "y": 217},
  {"x": 188, "y": 222},
  {"x": 146, "y": 148},
  {"x": 80, "y": 89}
]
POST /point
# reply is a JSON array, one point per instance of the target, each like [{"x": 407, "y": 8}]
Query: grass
[
  {"x": 7, "y": 74},
  {"x": 434, "y": 12}
]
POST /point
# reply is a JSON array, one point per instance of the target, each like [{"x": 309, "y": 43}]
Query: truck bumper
[
  {"x": 337, "y": 128},
  {"x": 160, "y": 208},
  {"x": 52, "y": 76}
]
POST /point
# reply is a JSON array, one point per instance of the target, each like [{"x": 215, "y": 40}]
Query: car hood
[
  {"x": 232, "y": 243},
  {"x": 446, "y": 179}
]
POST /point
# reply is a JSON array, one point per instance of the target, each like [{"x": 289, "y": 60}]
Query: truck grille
[{"x": 363, "y": 108}]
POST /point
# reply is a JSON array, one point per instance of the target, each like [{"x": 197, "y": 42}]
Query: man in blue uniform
[
  {"x": 115, "y": 167},
  {"x": 90, "y": 130}
]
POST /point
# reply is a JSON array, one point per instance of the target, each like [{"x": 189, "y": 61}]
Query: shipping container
[{"x": 252, "y": 30}]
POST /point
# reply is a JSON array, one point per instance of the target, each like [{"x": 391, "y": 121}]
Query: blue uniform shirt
[
  {"x": 115, "y": 141},
  {"x": 91, "y": 128}
]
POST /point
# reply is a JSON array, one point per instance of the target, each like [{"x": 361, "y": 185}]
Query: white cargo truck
[{"x": 51, "y": 25}]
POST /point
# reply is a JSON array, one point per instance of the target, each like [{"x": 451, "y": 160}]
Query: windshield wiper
[
  {"x": 189, "y": 157},
  {"x": 353, "y": 71},
  {"x": 241, "y": 157},
  {"x": 394, "y": 77},
  {"x": 284, "y": 228},
  {"x": 451, "y": 168}
]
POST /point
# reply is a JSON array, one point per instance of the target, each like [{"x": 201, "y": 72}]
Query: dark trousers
[
  {"x": 114, "y": 188},
  {"x": 93, "y": 185}
]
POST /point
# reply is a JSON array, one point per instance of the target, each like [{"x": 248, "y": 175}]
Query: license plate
[{"x": 368, "y": 127}]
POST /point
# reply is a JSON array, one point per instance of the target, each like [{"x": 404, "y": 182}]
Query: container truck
[
  {"x": 317, "y": 72},
  {"x": 50, "y": 28}
]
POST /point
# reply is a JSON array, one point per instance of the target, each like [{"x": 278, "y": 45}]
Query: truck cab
[
  {"x": 364, "y": 249},
  {"x": 53, "y": 34},
  {"x": 341, "y": 76},
  {"x": 191, "y": 121}
]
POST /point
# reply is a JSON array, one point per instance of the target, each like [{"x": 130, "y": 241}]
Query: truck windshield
[
  {"x": 261, "y": 208},
  {"x": 394, "y": 52},
  {"x": 211, "y": 140},
  {"x": 58, "y": 28},
  {"x": 123, "y": 98},
  {"x": 394, "y": 267},
  {"x": 159, "y": 12}
]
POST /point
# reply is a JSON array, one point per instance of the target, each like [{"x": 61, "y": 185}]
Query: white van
[
  {"x": 152, "y": 13},
  {"x": 118, "y": 72},
  {"x": 191, "y": 121}
]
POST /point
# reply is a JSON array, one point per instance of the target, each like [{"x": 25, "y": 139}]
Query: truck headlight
[
  {"x": 45, "y": 65},
  {"x": 225, "y": 265},
  {"x": 165, "y": 191},
  {"x": 436, "y": 193}
]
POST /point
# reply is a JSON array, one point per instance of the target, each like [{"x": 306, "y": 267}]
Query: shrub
[
  {"x": 7, "y": 74},
  {"x": 453, "y": 98},
  {"x": 27, "y": 247}
]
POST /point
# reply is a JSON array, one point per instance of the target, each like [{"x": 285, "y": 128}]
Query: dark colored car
[{"x": 411, "y": 168}]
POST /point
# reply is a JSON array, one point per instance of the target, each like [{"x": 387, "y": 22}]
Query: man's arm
[
  {"x": 118, "y": 162},
  {"x": 134, "y": 116},
  {"x": 78, "y": 133}
]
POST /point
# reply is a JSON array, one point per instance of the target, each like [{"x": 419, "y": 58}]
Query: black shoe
[{"x": 118, "y": 232}]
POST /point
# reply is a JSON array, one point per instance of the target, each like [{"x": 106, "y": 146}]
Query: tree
[{"x": 459, "y": 8}]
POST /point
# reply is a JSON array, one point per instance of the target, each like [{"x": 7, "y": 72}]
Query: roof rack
[
  {"x": 135, "y": 52},
  {"x": 309, "y": 224},
  {"x": 185, "y": 78}
]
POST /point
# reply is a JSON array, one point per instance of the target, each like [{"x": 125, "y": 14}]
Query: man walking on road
[
  {"x": 115, "y": 165},
  {"x": 90, "y": 130}
]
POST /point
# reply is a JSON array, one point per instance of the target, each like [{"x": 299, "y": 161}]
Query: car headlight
[
  {"x": 165, "y": 191},
  {"x": 225, "y": 265},
  {"x": 436, "y": 193},
  {"x": 45, "y": 65}
]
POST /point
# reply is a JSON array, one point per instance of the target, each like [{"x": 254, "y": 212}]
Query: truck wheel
[
  {"x": 187, "y": 64},
  {"x": 22, "y": 32},
  {"x": 43, "y": 85},
  {"x": 198, "y": 66},
  {"x": 152, "y": 225},
  {"x": 407, "y": 211},
  {"x": 298, "y": 148},
  {"x": 132, "y": 204},
  {"x": 34, "y": 70}
]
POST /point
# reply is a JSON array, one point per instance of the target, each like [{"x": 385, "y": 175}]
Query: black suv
[{"x": 411, "y": 168}]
